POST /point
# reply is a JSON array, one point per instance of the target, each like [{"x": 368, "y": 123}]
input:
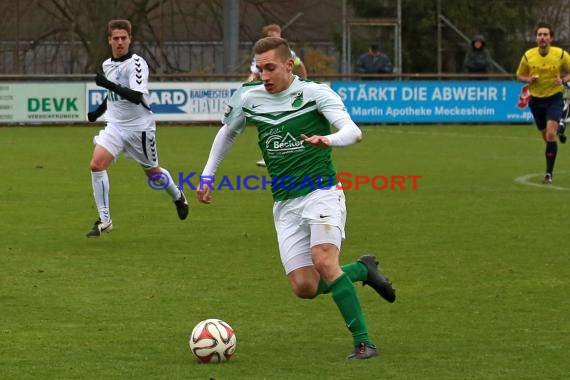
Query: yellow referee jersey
[{"x": 547, "y": 68}]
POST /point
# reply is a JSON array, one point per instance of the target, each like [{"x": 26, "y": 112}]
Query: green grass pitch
[{"x": 478, "y": 254}]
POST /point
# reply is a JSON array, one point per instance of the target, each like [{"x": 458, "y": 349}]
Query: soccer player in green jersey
[
  {"x": 541, "y": 67},
  {"x": 274, "y": 30},
  {"x": 293, "y": 119}
]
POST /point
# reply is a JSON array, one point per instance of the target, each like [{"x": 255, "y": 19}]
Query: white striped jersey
[{"x": 129, "y": 71}]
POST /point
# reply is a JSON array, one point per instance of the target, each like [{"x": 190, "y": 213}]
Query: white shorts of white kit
[
  {"x": 137, "y": 145},
  {"x": 301, "y": 223}
]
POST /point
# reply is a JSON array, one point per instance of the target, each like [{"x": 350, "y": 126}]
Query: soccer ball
[{"x": 212, "y": 341}]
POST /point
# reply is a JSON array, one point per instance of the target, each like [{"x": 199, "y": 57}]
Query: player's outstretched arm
[
  {"x": 125, "y": 92},
  {"x": 220, "y": 147},
  {"x": 348, "y": 133}
]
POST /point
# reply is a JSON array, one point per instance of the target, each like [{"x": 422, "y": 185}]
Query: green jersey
[{"x": 306, "y": 107}]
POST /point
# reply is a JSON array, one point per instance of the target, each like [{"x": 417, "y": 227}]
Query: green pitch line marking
[{"x": 527, "y": 180}]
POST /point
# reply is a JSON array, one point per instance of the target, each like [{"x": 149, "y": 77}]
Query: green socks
[{"x": 344, "y": 295}]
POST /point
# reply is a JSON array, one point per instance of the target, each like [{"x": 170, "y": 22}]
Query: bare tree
[
  {"x": 69, "y": 36},
  {"x": 558, "y": 14}
]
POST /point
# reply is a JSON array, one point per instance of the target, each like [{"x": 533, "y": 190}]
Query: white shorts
[
  {"x": 138, "y": 145},
  {"x": 304, "y": 222}
]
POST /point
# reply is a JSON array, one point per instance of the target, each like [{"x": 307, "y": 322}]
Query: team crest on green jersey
[{"x": 297, "y": 99}]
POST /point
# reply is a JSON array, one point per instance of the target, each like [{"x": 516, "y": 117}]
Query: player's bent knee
[
  {"x": 304, "y": 284},
  {"x": 304, "y": 290},
  {"x": 304, "y": 281},
  {"x": 97, "y": 166}
]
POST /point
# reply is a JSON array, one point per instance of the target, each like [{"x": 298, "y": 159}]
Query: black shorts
[{"x": 544, "y": 109}]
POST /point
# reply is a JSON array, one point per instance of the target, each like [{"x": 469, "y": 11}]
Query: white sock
[
  {"x": 171, "y": 189},
  {"x": 100, "y": 183}
]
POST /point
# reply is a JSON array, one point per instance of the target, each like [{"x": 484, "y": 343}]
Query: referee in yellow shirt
[{"x": 546, "y": 69}]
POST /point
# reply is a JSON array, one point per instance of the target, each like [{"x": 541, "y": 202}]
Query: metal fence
[{"x": 59, "y": 58}]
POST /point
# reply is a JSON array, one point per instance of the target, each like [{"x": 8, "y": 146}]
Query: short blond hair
[{"x": 273, "y": 43}]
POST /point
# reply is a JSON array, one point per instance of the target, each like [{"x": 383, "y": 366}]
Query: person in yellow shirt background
[{"x": 546, "y": 69}]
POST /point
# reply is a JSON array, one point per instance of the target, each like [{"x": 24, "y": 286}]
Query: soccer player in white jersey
[
  {"x": 274, "y": 30},
  {"x": 293, "y": 117},
  {"x": 130, "y": 126}
]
